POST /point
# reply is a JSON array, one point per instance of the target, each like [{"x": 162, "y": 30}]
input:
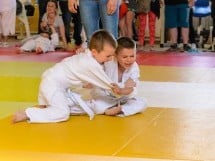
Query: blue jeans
[{"x": 92, "y": 11}]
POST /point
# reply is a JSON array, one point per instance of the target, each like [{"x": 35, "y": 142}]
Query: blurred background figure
[
  {"x": 126, "y": 17},
  {"x": 213, "y": 17},
  {"x": 106, "y": 11},
  {"x": 52, "y": 18},
  {"x": 7, "y": 20},
  {"x": 76, "y": 20},
  {"x": 150, "y": 12},
  {"x": 42, "y": 10}
]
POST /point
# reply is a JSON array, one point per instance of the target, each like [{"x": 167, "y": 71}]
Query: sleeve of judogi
[
  {"x": 87, "y": 69},
  {"x": 134, "y": 74}
]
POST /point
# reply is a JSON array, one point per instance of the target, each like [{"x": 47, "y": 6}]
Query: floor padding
[
  {"x": 179, "y": 123},
  {"x": 158, "y": 133}
]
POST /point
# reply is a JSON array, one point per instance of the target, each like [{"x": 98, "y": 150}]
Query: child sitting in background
[{"x": 47, "y": 41}]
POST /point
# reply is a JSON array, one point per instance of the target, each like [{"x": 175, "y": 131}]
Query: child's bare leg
[
  {"x": 113, "y": 111},
  {"x": 20, "y": 116}
]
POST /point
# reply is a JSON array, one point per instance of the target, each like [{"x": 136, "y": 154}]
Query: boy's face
[
  {"x": 126, "y": 57},
  {"x": 105, "y": 55}
]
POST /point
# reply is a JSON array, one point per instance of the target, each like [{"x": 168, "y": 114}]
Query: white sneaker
[{"x": 193, "y": 46}]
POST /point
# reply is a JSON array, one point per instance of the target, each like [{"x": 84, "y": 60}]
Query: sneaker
[
  {"x": 173, "y": 47},
  {"x": 187, "y": 47},
  {"x": 151, "y": 47}
]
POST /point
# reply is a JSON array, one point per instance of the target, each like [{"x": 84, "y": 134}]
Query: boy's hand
[
  {"x": 111, "y": 6},
  {"x": 115, "y": 88},
  {"x": 43, "y": 24},
  {"x": 88, "y": 86},
  {"x": 73, "y": 6},
  {"x": 130, "y": 83}
]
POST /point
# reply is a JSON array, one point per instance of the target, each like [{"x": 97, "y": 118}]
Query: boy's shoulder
[
  {"x": 110, "y": 64},
  {"x": 83, "y": 58}
]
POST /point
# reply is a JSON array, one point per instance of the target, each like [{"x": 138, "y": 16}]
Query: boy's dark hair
[
  {"x": 46, "y": 30},
  {"x": 125, "y": 42},
  {"x": 101, "y": 37}
]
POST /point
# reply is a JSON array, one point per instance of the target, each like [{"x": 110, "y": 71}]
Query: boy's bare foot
[
  {"x": 20, "y": 116},
  {"x": 39, "y": 50},
  {"x": 113, "y": 111},
  {"x": 19, "y": 51},
  {"x": 40, "y": 106}
]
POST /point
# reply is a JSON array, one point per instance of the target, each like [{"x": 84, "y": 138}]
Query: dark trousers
[
  {"x": 76, "y": 19},
  {"x": 192, "y": 34},
  {"x": 42, "y": 9}
]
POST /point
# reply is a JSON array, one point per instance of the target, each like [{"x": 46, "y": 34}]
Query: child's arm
[
  {"x": 43, "y": 24},
  {"x": 130, "y": 83},
  {"x": 129, "y": 86},
  {"x": 62, "y": 34},
  {"x": 126, "y": 90},
  {"x": 54, "y": 37}
]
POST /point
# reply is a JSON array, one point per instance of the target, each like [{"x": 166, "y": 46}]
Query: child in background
[
  {"x": 123, "y": 9},
  {"x": 152, "y": 11},
  {"x": 70, "y": 72},
  {"x": 47, "y": 41},
  {"x": 51, "y": 17},
  {"x": 123, "y": 71},
  {"x": 127, "y": 15}
]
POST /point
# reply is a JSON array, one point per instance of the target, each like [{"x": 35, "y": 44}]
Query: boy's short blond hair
[
  {"x": 101, "y": 37},
  {"x": 125, "y": 43}
]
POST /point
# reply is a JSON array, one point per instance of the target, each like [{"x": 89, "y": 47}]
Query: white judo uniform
[
  {"x": 130, "y": 104},
  {"x": 72, "y": 71},
  {"x": 44, "y": 43}
]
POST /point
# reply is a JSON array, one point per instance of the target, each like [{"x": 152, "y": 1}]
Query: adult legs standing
[
  {"x": 67, "y": 16},
  {"x": 42, "y": 9},
  {"x": 179, "y": 18},
  {"x": 76, "y": 19},
  {"x": 97, "y": 10}
]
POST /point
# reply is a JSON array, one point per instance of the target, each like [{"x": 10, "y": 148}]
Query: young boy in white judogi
[
  {"x": 125, "y": 72},
  {"x": 70, "y": 72},
  {"x": 47, "y": 41}
]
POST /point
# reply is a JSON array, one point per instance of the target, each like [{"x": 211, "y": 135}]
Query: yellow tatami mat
[
  {"x": 158, "y": 133},
  {"x": 176, "y": 126}
]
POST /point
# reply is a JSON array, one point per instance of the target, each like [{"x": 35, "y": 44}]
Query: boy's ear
[{"x": 94, "y": 52}]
